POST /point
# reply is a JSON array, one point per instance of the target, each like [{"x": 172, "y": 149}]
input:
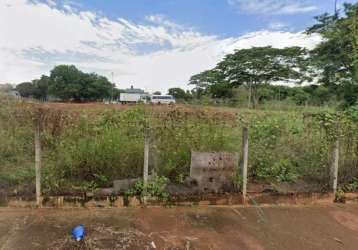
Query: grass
[{"x": 86, "y": 146}]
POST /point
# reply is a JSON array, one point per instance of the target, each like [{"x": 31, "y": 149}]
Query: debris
[
  {"x": 187, "y": 245},
  {"x": 78, "y": 232},
  {"x": 338, "y": 240},
  {"x": 153, "y": 245}
]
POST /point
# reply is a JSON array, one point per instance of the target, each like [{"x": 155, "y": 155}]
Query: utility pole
[{"x": 336, "y": 9}]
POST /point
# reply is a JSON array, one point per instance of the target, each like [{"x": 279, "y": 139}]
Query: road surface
[{"x": 225, "y": 228}]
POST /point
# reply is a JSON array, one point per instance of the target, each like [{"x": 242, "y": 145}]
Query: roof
[{"x": 134, "y": 91}]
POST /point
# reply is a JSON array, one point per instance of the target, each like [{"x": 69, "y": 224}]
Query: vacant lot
[
  {"x": 315, "y": 227},
  {"x": 87, "y": 146}
]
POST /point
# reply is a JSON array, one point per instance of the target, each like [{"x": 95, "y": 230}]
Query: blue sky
[
  {"x": 219, "y": 17},
  {"x": 153, "y": 44}
]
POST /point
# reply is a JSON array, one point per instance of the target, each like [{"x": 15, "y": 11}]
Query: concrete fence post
[
  {"x": 38, "y": 161},
  {"x": 245, "y": 157},
  {"x": 335, "y": 166},
  {"x": 146, "y": 160}
]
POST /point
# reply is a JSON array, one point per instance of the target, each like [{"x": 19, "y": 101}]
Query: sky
[{"x": 150, "y": 44}]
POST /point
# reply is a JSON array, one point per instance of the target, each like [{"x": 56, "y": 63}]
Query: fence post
[
  {"x": 146, "y": 160},
  {"x": 334, "y": 166},
  {"x": 245, "y": 157},
  {"x": 38, "y": 160}
]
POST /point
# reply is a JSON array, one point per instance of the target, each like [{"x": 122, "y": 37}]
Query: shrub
[{"x": 155, "y": 188}]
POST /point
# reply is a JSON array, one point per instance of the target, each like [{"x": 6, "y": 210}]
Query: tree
[
  {"x": 355, "y": 33},
  {"x": 178, "y": 93},
  {"x": 221, "y": 90},
  {"x": 37, "y": 88},
  {"x": 266, "y": 92},
  {"x": 336, "y": 57},
  {"x": 204, "y": 80},
  {"x": 300, "y": 97},
  {"x": 40, "y": 87},
  {"x": 264, "y": 65},
  {"x": 157, "y": 93},
  {"x": 26, "y": 89},
  {"x": 69, "y": 83},
  {"x": 66, "y": 82}
]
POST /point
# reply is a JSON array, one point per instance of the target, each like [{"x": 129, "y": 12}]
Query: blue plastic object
[{"x": 78, "y": 232}]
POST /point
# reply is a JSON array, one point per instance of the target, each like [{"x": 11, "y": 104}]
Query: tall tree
[
  {"x": 66, "y": 82},
  {"x": 206, "y": 79},
  {"x": 355, "y": 32},
  {"x": 69, "y": 83},
  {"x": 336, "y": 56},
  {"x": 178, "y": 93},
  {"x": 264, "y": 65},
  {"x": 40, "y": 87},
  {"x": 26, "y": 89}
]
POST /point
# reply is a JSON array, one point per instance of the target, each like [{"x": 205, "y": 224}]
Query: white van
[{"x": 162, "y": 99}]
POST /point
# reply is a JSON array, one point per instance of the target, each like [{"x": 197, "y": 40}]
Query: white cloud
[
  {"x": 273, "y": 7},
  {"x": 157, "y": 55},
  {"x": 277, "y": 25},
  {"x": 277, "y": 39},
  {"x": 163, "y": 21}
]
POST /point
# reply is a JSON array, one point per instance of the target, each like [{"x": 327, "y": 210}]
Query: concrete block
[
  {"x": 214, "y": 172},
  {"x": 120, "y": 186}
]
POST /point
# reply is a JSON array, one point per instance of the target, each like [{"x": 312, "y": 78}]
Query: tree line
[
  {"x": 67, "y": 83},
  {"x": 331, "y": 68}
]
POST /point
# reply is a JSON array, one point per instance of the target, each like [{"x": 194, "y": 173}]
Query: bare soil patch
[{"x": 293, "y": 227}]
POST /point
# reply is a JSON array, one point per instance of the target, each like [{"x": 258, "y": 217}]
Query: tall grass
[{"x": 85, "y": 149}]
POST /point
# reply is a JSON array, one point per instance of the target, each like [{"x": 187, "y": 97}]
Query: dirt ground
[{"x": 313, "y": 227}]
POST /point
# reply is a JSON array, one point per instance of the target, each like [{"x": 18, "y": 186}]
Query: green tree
[
  {"x": 264, "y": 65},
  {"x": 66, "y": 82},
  {"x": 204, "y": 80},
  {"x": 40, "y": 87},
  {"x": 178, "y": 93},
  {"x": 37, "y": 88},
  {"x": 336, "y": 56},
  {"x": 266, "y": 92},
  {"x": 69, "y": 83},
  {"x": 221, "y": 90},
  {"x": 299, "y": 96},
  {"x": 26, "y": 89},
  {"x": 355, "y": 33}
]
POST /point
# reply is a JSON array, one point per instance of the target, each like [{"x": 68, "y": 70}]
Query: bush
[{"x": 155, "y": 188}]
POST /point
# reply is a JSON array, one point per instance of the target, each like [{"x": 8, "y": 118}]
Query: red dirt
[
  {"x": 312, "y": 227},
  {"x": 347, "y": 219}
]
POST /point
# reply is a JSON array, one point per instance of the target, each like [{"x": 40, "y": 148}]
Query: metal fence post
[{"x": 245, "y": 157}]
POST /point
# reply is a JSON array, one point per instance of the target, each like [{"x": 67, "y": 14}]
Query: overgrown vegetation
[
  {"x": 84, "y": 149},
  {"x": 155, "y": 188}
]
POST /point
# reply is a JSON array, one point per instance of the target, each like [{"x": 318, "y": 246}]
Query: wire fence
[{"x": 82, "y": 150}]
